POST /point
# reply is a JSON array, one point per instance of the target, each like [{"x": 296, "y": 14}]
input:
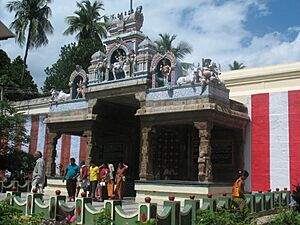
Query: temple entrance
[{"x": 117, "y": 138}]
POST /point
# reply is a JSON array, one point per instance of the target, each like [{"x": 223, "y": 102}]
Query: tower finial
[{"x": 130, "y": 6}]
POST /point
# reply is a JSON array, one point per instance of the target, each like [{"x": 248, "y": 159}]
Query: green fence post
[
  {"x": 277, "y": 198},
  {"x": 224, "y": 201},
  {"x": 175, "y": 209},
  {"x": 15, "y": 183},
  {"x": 53, "y": 203},
  {"x": 11, "y": 195},
  {"x": 259, "y": 201},
  {"x": 195, "y": 204},
  {"x": 80, "y": 209},
  {"x": 209, "y": 203},
  {"x": 110, "y": 206},
  {"x": 269, "y": 200},
  {"x": 147, "y": 210},
  {"x": 30, "y": 207},
  {"x": 250, "y": 202},
  {"x": 286, "y": 197}
]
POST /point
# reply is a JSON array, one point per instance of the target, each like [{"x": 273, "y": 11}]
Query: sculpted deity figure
[
  {"x": 101, "y": 71},
  {"x": 79, "y": 89},
  {"x": 166, "y": 72},
  {"x": 126, "y": 67},
  {"x": 210, "y": 72},
  {"x": 118, "y": 65},
  {"x": 132, "y": 62}
]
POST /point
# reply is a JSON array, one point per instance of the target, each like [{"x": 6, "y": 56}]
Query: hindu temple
[{"x": 176, "y": 130}]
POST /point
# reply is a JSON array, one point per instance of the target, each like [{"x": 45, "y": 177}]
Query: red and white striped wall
[
  {"x": 272, "y": 149},
  {"x": 67, "y": 146}
]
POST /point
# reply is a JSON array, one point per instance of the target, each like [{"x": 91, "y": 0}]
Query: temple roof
[
  {"x": 5, "y": 33},
  {"x": 146, "y": 42}
]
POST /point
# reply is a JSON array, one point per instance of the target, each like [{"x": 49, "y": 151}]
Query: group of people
[
  {"x": 101, "y": 182},
  {"x": 104, "y": 181}
]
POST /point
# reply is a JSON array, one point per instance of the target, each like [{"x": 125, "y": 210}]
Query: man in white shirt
[{"x": 38, "y": 176}]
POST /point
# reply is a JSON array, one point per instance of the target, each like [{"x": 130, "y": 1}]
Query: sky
[{"x": 253, "y": 32}]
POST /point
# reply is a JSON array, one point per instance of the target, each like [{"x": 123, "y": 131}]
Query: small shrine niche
[
  {"x": 163, "y": 69},
  {"x": 118, "y": 62},
  {"x": 163, "y": 74},
  {"x": 77, "y": 83}
]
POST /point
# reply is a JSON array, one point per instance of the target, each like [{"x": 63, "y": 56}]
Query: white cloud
[{"x": 215, "y": 29}]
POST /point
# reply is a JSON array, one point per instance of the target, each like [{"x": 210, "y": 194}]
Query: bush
[
  {"x": 287, "y": 217},
  {"x": 224, "y": 217},
  {"x": 11, "y": 215},
  {"x": 103, "y": 218}
]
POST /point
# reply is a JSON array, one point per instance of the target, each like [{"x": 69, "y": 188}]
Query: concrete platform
[
  {"x": 53, "y": 184},
  {"x": 159, "y": 190}
]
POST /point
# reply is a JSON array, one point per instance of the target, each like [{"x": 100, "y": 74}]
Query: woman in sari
[{"x": 120, "y": 180}]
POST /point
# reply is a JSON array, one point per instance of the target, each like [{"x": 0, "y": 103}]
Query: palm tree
[
  {"x": 165, "y": 42},
  {"x": 87, "y": 22},
  {"x": 236, "y": 66},
  {"x": 32, "y": 18}
]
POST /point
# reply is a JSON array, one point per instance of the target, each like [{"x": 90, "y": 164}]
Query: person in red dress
[{"x": 103, "y": 178}]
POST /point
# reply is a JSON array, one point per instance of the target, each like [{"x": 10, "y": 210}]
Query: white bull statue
[
  {"x": 188, "y": 79},
  {"x": 57, "y": 96}
]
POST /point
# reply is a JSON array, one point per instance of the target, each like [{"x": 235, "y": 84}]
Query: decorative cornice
[{"x": 262, "y": 74}]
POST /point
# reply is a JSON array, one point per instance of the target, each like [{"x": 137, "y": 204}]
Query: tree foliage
[
  {"x": 11, "y": 129},
  {"x": 236, "y": 66},
  {"x": 10, "y": 79},
  {"x": 165, "y": 43},
  {"x": 87, "y": 21},
  {"x": 70, "y": 55},
  {"x": 31, "y": 17},
  {"x": 12, "y": 136}
]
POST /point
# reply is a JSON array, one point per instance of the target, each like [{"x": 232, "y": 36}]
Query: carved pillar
[
  {"x": 153, "y": 75},
  {"x": 146, "y": 172},
  {"x": 173, "y": 81},
  {"x": 51, "y": 154},
  {"x": 204, "y": 160},
  {"x": 90, "y": 145}
]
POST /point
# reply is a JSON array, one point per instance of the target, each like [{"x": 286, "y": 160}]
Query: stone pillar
[
  {"x": 173, "y": 81},
  {"x": 146, "y": 172},
  {"x": 90, "y": 145},
  {"x": 153, "y": 75},
  {"x": 51, "y": 154},
  {"x": 204, "y": 160}
]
